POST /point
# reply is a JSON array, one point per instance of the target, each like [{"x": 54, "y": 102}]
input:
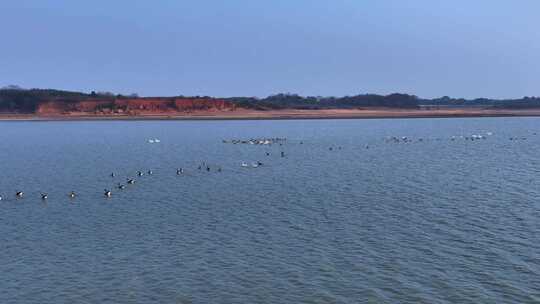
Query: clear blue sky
[{"x": 462, "y": 48}]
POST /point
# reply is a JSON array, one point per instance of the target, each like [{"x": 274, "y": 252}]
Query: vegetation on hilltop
[
  {"x": 17, "y": 100},
  {"x": 525, "y": 102},
  {"x": 294, "y": 101}
]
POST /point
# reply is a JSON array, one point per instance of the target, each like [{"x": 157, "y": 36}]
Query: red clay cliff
[{"x": 134, "y": 106}]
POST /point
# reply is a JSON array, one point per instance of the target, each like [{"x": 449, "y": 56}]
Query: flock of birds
[
  {"x": 179, "y": 171},
  {"x": 257, "y": 141},
  {"x": 265, "y": 141},
  {"x": 44, "y": 196},
  {"x": 129, "y": 181},
  {"x": 473, "y": 137}
]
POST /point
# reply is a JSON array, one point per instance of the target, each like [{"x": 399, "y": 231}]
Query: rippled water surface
[{"x": 436, "y": 219}]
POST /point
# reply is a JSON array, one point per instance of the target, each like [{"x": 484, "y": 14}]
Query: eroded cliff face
[{"x": 134, "y": 106}]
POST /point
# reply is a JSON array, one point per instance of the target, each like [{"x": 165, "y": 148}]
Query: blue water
[{"x": 433, "y": 220}]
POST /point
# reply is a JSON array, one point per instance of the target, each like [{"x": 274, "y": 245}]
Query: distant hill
[
  {"x": 49, "y": 101},
  {"x": 521, "y": 103},
  {"x": 39, "y": 101},
  {"x": 294, "y": 101}
]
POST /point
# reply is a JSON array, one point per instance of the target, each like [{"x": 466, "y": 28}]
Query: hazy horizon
[{"x": 242, "y": 48}]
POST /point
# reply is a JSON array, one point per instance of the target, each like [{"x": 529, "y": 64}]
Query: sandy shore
[{"x": 289, "y": 114}]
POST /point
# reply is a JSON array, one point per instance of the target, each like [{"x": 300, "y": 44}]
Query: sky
[{"x": 430, "y": 48}]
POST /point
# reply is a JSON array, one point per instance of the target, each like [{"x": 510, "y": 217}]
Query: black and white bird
[
  {"x": 19, "y": 194},
  {"x": 107, "y": 193}
]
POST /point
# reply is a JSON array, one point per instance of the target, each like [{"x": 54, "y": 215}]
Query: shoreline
[{"x": 372, "y": 113}]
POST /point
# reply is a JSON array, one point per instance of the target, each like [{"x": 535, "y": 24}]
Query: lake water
[{"x": 436, "y": 219}]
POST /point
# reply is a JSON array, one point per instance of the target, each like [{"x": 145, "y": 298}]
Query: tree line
[
  {"x": 16, "y": 99},
  {"x": 295, "y": 101}
]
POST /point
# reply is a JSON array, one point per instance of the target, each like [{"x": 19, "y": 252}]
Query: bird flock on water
[
  {"x": 203, "y": 166},
  {"x": 264, "y": 142}
]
